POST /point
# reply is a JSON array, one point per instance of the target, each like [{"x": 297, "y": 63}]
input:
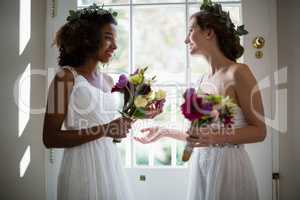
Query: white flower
[
  {"x": 150, "y": 97},
  {"x": 140, "y": 102},
  {"x": 227, "y": 102},
  {"x": 160, "y": 94}
]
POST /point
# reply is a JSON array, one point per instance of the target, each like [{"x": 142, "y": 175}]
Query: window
[{"x": 151, "y": 33}]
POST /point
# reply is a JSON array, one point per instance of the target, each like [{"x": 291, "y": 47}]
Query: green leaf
[
  {"x": 115, "y": 14},
  {"x": 139, "y": 113},
  {"x": 144, "y": 69},
  {"x": 72, "y": 12},
  {"x": 241, "y": 30},
  {"x": 207, "y": 2}
]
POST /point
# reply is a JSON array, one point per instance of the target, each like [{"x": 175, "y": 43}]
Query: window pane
[
  {"x": 199, "y": 65},
  {"x": 171, "y": 118},
  {"x": 157, "y": 1},
  {"x": 216, "y": 1},
  {"x": 141, "y": 152},
  {"x": 234, "y": 11},
  {"x": 163, "y": 153},
  {"x": 142, "y": 155},
  {"x": 171, "y": 115},
  {"x": 179, "y": 151},
  {"x": 159, "y": 41},
  {"x": 100, "y": 2},
  {"x": 120, "y": 61}
]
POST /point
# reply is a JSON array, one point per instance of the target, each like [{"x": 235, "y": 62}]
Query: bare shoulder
[
  {"x": 64, "y": 75},
  {"x": 58, "y": 93},
  {"x": 63, "y": 79},
  {"x": 241, "y": 73}
]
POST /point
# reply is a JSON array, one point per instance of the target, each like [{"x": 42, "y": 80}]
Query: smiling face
[
  {"x": 198, "y": 40},
  {"x": 109, "y": 45}
]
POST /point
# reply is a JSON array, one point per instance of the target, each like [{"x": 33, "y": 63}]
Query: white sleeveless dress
[
  {"x": 92, "y": 171},
  {"x": 223, "y": 172}
]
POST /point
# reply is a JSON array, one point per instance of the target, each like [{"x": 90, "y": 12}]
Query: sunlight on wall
[
  {"x": 25, "y": 161},
  {"x": 25, "y": 24},
  {"x": 24, "y": 99}
]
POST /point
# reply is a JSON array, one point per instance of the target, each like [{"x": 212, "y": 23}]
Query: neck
[
  {"x": 89, "y": 67},
  {"x": 218, "y": 61}
]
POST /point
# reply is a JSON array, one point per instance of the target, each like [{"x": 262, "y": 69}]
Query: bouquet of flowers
[
  {"x": 139, "y": 97},
  {"x": 204, "y": 109}
]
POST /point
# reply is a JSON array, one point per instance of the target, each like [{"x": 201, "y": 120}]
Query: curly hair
[
  {"x": 228, "y": 40},
  {"x": 79, "y": 40}
]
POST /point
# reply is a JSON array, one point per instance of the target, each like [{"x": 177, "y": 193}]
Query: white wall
[
  {"x": 160, "y": 184},
  {"x": 289, "y": 54},
  {"x": 12, "y": 148}
]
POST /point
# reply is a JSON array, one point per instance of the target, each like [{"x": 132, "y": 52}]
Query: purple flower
[
  {"x": 192, "y": 108},
  {"x": 121, "y": 84},
  {"x": 135, "y": 72},
  {"x": 143, "y": 89},
  {"x": 189, "y": 93},
  {"x": 207, "y": 107},
  {"x": 122, "y": 81},
  {"x": 228, "y": 120}
]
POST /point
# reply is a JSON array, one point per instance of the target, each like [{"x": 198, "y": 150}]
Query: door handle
[{"x": 258, "y": 43}]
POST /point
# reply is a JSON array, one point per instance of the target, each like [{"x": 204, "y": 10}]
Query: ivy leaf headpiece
[
  {"x": 93, "y": 9},
  {"x": 224, "y": 17}
]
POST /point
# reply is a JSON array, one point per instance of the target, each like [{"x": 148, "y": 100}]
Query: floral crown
[
  {"x": 224, "y": 17},
  {"x": 92, "y": 10}
]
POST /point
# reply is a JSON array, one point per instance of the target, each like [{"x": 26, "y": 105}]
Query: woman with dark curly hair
[
  {"x": 220, "y": 168},
  {"x": 80, "y": 100}
]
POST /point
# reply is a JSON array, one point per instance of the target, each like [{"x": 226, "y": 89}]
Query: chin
[
  {"x": 196, "y": 53},
  {"x": 192, "y": 53},
  {"x": 104, "y": 60}
]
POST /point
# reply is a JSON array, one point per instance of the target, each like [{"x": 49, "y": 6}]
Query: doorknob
[{"x": 258, "y": 42}]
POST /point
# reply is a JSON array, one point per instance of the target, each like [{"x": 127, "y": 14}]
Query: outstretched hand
[{"x": 151, "y": 134}]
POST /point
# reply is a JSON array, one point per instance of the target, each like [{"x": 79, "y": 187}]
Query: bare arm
[
  {"x": 57, "y": 107},
  {"x": 176, "y": 134},
  {"x": 250, "y": 101},
  {"x": 153, "y": 134}
]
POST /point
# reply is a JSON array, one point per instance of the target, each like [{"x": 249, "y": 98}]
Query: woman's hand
[
  {"x": 118, "y": 128},
  {"x": 154, "y": 109},
  {"x": 152, "y": 134}
]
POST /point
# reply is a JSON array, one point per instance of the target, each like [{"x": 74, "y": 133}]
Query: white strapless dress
[
  {"x": 92, "y": 171},
  {"x": 222, "y": 173}
]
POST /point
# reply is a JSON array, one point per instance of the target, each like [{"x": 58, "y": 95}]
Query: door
[
  {"x": 263, "y": 23},
  {"x": 21, "y": 151},
  {"x": 156, "y": 171}
]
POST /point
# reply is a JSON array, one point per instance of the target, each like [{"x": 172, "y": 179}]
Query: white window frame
[{"x": 130, "y": 157}]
